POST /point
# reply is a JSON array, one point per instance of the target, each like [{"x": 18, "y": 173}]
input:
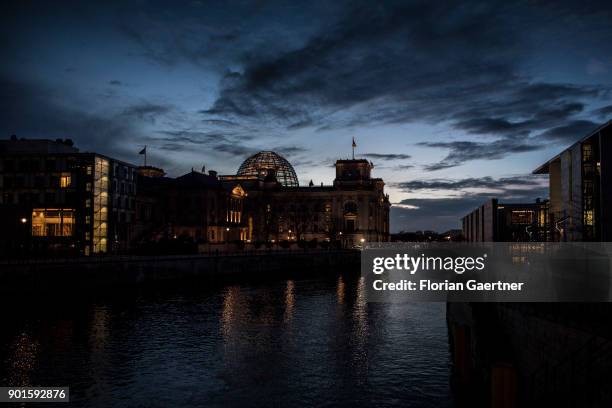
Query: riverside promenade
[{"x": 98, "y": 272}]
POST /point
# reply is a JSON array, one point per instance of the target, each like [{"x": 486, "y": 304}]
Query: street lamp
[
  {"x": 362, "y": 240},
  {"x": 24, "y": 220}
]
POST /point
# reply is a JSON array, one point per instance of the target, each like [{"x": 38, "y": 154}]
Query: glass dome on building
[{"x": 260, "y": 163}]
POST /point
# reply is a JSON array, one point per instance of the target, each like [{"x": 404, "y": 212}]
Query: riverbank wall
[
  {"x": 531, "y": 354},
  {"x": 81, "y": 273}
]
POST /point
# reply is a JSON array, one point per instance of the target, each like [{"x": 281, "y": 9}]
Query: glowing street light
[
  {"x": 24, "y": 220},
  {"x": 362, "y": 240}
]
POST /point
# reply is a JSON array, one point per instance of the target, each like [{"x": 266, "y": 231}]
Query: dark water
[{"x": 282, "y": 343}]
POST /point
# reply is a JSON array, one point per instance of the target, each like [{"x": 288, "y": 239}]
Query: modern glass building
[
  {"x": 55, "y": 199},
  {"x": 580, "y": 183}
]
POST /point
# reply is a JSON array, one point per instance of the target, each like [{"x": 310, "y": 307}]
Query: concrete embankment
[
  {"x": 21, "y": 276},
  {"x": 531, "y": 354}
]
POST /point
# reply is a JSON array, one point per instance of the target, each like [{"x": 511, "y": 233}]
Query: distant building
[
  {"x": 56, "y": 199},
  {"x": 263, "y": 202},
  {"x": 497, "y": 222},
  {"x": 353, "y": 210},
  {"x": 581, "y": 188}
]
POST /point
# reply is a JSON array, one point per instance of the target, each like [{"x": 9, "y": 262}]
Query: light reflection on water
[{"x": 289, "y": 343}]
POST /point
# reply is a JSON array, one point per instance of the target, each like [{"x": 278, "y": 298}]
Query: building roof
[
  {"x": 36, "y": 146},
  {"x": 348, "y": 161},
  {"x": 544, "y": 168},
  {"x": 260, "y": 164},
  {"x": 197, "y": 179}
]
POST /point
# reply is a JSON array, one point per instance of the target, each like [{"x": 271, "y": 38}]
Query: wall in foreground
[{"x": 531, "y": 354}]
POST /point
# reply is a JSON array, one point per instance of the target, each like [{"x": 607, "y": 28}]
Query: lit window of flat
[
  {"x": 65, "y": 180},
  {"x": 52, "y": 222}
]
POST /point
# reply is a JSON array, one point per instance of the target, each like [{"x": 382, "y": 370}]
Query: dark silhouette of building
[
  {"x": 255, "y": 206},
  {"x": 195, "y": 207}
]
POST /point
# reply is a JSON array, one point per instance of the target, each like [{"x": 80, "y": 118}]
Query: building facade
[
  {"x": 263, "y": 203},
  {"x": 580, "y": 183},
  {"x": 497, "y": 222},
  {"x": 55, "y": 199},
  {"x": 195, "y": 206},
  {"x": 352, "y": 211}
]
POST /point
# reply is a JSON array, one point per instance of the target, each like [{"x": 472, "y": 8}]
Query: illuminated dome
[{"x": 259, "y": 164}]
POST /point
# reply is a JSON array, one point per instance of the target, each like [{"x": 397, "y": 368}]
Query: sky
[{"x": 453, "y": 102}]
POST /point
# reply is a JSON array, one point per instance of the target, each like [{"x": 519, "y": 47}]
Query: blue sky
[{"x": 453, "y": 102}]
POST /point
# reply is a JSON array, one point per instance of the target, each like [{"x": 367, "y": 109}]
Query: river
[{"x": 301, "y": 342}]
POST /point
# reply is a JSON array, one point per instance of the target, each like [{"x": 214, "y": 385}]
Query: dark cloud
[
  {"x": 569, "y": 132},
  {"x": 463, "y": 151},
  {"x": 147, "y": 111},
  {"x": 289, "y": 150},
  {"x": 233, "y": 149},
  {"x": 387, "y": 156},
  {"x": 403, "y": 167},
  {"x": 445, "y": 213},
  {"x": 383, "y": 65},
  {"x": 32, "y": 110},
  {"x": 471, "y": 182},
  {"x": 605, "y": 112},
  {"x": 205, "y": 141},
  {"x": 493, "y": 126},
  {"x": 115, "y": 82},
  {"x": 387, "y": 55}
]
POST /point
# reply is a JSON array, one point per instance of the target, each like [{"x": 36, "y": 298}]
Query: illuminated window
[
  {"x": 65, "y": 180},
  {"x": 100, "y": 205},
  {"x": 588, "y": 217},
  {"x": 87, "y": 186},
  {"x": 88, "y": 203},
  {"x": 52, "y": 222}
]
